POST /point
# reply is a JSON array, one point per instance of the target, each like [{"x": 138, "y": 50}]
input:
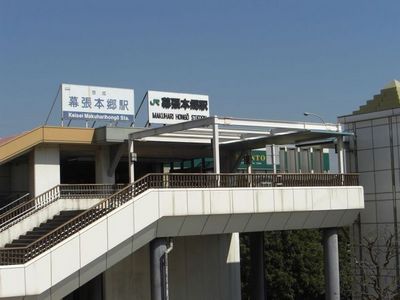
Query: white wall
[{"x": 46, "y": 168}]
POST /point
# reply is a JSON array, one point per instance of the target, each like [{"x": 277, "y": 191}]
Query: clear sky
[{"x": 256, "y": 59}]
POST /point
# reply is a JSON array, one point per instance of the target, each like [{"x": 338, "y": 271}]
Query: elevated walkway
[{"x": 174, "y": 205}]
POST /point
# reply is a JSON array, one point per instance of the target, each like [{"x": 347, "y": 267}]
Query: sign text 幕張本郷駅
[
  {"x": 171, "y": 108},
  {"x": 97, "y": 103}
]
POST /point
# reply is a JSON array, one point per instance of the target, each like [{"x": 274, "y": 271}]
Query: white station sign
[
  {"x": 171, "y": 108},
  {"x": 97, "y": 103}
]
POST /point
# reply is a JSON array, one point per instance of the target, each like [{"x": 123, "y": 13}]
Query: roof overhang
[
  {"x": 182, "y": 140},
  {"x": 22, "y": 143},
  {"x": 241, "y": 134}
]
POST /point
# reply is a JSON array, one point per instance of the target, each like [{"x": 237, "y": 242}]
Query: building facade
[
  {"x": 106, "y": 219},
  {"x": 374, "y": 153}
]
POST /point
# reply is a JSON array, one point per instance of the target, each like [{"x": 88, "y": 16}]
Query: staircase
[
  {"x": 118, "y": 197},
  {"x": 51, "y": 254},
  {"x": 22, "y": 209},
  {"x": 43, "y": 229}
]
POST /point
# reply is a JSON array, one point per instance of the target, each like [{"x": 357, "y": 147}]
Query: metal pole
[
  {"x": 250, "y": 168},
  {"x": 311, "y": 155},
  {"x": 158, "y": 247},
  {"x": 257, "y": 266},
  {"x": 132, "y": 160},
  {"x": 340, "y": 150},
  {"x": 273, "y": 158},
  {"x": 169, "y": 249},
  {"x": 216, "y": 148},
  {"x": 331, "y": 264}
]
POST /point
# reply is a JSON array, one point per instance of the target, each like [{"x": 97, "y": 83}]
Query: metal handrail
[
  {"x": 61, "y": 191},
  {"x": 14, "y": 203},
  {"x": 19, "y": 255}
]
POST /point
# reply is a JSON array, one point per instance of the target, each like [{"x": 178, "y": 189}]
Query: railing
[
  {"x": 21, "y": 255},
  {"x": 63, "y": 191},
  {"x": 14, "y": 203},
  {"x": 244, "y": 180}
]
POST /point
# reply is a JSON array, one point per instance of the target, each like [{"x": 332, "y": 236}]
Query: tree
[
  {"x": 294, "y": 265},
  {"x": 375, "y": 279}
]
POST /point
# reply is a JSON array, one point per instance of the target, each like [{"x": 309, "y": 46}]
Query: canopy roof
[
  {"x": 242, "y": 134},
  {"x": 180, "y": 141}
]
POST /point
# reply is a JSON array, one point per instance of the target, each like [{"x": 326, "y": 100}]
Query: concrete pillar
[
  {"x": 331, "y": 264},
  {"x": 233, "y": 260},
  {"x": 157, "y": 268},
  {"x": 46, "y": 168},
  {"x": 102, "y": 166},
  {"x": 257, "y": 266}
]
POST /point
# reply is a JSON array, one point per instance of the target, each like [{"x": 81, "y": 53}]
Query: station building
[
  {"x": 156, "y": 213},
  {"x": 373, "y": 153}
]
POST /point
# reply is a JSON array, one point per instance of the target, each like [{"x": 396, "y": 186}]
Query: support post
[
  {"x": 273, "y": 158},
  {"x": 340, "y": 151},
  {"x": 331, "y": 264},
  {"x": 158, "y": 248},
  {"x": 216, "y": 148},
  {"x": 132, "y": 159},
  {"x": 311, "y": 156},
  {"x": 257, "y": 266},
  {"x": 249, "y": 162}
]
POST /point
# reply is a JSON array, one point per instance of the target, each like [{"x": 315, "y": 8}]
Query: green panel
[
  {"x": 259, "y": 161},
  {"x": 325, "y": 158}
]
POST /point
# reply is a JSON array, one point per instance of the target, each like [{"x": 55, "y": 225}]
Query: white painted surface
[
  {"x": 155, "y": 213},
  {"x": 46, "y": 168}
]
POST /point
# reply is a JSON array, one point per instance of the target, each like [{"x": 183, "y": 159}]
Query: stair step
[{"x": 43, "y": 229}]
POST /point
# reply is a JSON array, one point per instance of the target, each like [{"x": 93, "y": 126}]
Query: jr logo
[{"x": 155, "y": 102}]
